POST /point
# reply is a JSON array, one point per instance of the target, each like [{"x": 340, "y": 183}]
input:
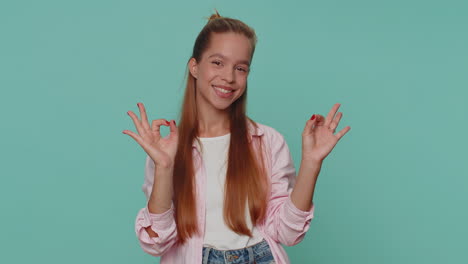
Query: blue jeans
[{"x": 259, "y": 253}]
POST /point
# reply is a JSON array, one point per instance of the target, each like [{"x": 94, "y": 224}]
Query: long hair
[{"x": 246, "y": 180}]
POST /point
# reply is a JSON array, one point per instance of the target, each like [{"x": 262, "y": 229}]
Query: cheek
[
  {"x": 208, "y": 75},
  {"x": 242, "y": 78}
]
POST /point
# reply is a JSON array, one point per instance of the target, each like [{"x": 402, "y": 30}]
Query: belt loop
[
  {"x": 251, "y": 255},
  {"x": 207, "y": 254}
]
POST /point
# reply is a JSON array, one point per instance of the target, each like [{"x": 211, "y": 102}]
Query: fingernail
[
  {"x": 138, "y": 104},
  {"x": 313, "y": 117},
  {"x": 174, "y": 123},
  {"x": 128, "y": 112},
  {"x": 167, "y": 123}
]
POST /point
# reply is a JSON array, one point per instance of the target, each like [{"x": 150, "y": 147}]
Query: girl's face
[{"x": 221, "y": 74}]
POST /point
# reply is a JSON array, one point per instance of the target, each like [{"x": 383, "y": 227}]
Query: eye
[
  {"x": 241, "y": 69},
  {"x": 216, "y": 62}
]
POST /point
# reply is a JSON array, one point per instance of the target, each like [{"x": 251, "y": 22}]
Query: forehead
[{"x": 230, "y": 46}]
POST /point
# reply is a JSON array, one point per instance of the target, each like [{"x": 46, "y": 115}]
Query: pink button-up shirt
[{"x": 284, "y": 224}]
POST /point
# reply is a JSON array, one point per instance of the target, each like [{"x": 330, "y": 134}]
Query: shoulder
[
  {"x": 269, "y": 134},
  {"x": 276, "y": 145}
]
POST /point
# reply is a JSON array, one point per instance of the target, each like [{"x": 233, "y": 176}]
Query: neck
[{"x": 213, "y": 122}]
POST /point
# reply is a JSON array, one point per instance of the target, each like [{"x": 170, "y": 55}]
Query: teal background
[{"x": 394, "y": 189}]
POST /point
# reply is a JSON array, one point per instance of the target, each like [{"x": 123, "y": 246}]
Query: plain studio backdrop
[{"x": 394, "y": 189}]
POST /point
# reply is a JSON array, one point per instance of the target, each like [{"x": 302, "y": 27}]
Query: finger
[
  {"x": 309, "y": 125},
  {"x": 320, "y": 120},
  {"x": 144, "y": 117},
  {"x": 136, "y": 137},
  {"x": 343, "y": 132},
  {"x": 336, "y": 121},
  {"x": 174, "y": 129},
  {"x": 331, "y": 114},
  {"x": 156, "y": 126},
  {"x": 137, "y": 122}
]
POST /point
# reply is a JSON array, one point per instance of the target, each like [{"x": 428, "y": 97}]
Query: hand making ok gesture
[
  {"x": 161, "y": 150},
  {"x": 318, "y": 138}
]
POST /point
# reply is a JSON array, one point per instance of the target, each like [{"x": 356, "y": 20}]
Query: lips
[
  {"x": 223, "y": 94},
  {"x": 223, "y": 87}
]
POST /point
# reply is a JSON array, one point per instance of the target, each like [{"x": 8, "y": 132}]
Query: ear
[{"x": 193, "y": 67}]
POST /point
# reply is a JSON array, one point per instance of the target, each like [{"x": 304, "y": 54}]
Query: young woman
[{"x": 220, "y": 187}]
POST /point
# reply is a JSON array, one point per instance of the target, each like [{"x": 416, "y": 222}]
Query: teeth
[{"x": 222, "y": 90}]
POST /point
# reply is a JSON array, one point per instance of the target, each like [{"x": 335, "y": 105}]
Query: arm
[
  {"x": 162, "y": 191},
  {"x": 155, "y": 224},
  {"x": 161, "y": 195},
  {"x": 285, "y": 223},
  {"x": 318, "y": 140},
  {"x": 303, "y": 192}
]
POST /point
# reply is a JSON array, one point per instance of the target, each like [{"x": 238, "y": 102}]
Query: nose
[{"x": 228, "y": 75}]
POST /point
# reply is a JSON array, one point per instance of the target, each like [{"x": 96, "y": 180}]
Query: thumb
[
  {"x": 310, "y": 124},
  {"x": 173, "y": 127}
]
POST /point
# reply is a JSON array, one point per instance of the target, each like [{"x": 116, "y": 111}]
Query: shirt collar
[{"x": 253, "y": 131}]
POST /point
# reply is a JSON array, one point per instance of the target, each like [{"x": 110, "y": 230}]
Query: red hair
[{"x": 246, "y": 180}]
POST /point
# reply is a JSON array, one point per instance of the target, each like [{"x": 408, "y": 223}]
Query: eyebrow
[{"x": 221, "y": 56}]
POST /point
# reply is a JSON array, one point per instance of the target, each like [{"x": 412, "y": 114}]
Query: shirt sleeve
[
  {"x": 163, "y": 224},
  {"x": 285, "y": 223}
]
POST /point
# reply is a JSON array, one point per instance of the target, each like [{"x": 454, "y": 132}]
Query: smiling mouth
[{"x": 222, "y": 90}]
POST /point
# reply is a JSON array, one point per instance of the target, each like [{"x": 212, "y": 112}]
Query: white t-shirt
[{"x": 217, "y": 234}]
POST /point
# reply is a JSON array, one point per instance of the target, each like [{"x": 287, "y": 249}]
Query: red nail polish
[
  {"x": 174, "y": 123},
  {"x": 313, "y": 117}
]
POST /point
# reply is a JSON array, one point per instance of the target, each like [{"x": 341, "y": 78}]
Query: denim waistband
[{"x": 233, "y": 256}]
